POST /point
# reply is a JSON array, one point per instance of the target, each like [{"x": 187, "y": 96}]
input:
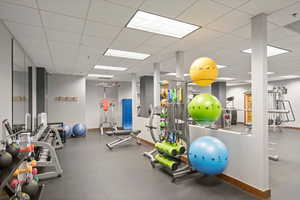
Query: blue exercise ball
[
  {"x": 67, "y": 130},
  {"x": 208, "y": 155},
  {"x": 79, "y": 130}
]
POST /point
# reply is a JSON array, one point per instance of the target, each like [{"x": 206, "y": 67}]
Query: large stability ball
[
  {"x": 204, "y": 71},
  {"x": 205, "y": 108},
  {"x": 67, "y": 130},
  {"x": 208, "y": 155},
  {"x": 79, "y": 130}
]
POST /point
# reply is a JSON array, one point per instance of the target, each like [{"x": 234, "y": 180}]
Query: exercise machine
[
  {"x": 107, "y": 108},
  {"x": 123, "y": 137}
]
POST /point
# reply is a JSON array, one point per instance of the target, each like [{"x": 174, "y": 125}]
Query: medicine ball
[
  {"x": 31, "y": 188},
  {"x": 5, "y": 159},
  {"x": 13, "y": 149}
]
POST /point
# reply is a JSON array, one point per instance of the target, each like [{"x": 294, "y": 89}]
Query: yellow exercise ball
[
  {"x": 165, "y": 84},
  {"x": 204, "y": 71}
]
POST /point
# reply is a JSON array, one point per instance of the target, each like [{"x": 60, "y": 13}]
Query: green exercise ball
[{"x": 205, "y": 109}]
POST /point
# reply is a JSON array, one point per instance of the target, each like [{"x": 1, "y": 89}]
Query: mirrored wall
[{"x": 20, "y": 64}]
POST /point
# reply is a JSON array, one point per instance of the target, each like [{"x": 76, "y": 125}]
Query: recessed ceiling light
[
  {"x": 103, "y": 67},
  {"x": 160, "y": 25},
  {"x": 268, "y": 73},
  {"x": 271, "y": 51},
  {"x": 225, "y": 79},
  {"x": 290, "y": 76},
  {"x": 100, "y": 75},
  {"x": 174, "y": 74},
  {"x": 126, "y": 54},
  {"x": 221, "y": 66}
]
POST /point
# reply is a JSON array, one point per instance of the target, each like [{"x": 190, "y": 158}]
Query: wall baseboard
[{"x": 244, "y": 186}]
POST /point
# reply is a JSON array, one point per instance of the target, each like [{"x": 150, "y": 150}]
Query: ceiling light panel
[
  {"x": 161, "y": 25},
  {"x": 271, "y": 51},
  {"x": 225, "y": 79},
  {"x": 126, "y": 54},
  {"x": 221, "y": 66},
  {"x": 290, "y": 76},
  {"x": 100, "y": 76},
  {"x": 110, "y": 68}
]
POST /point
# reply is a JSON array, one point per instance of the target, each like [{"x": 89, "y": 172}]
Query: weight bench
[{"x": 123, "y": 136}]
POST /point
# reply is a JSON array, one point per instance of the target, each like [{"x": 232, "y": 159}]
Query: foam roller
[
  {"x": 166, "y": 148},
  {"x": 166, "y": 162},
  {"x": 179, "y": 148}
]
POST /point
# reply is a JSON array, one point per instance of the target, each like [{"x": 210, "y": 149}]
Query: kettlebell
[
  {"x": 5, "y": 159},
  {"x": 13, "y": 149},
  {"x": 31, "y": 188}
]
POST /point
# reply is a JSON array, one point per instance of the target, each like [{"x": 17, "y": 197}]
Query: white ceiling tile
[
  {"x": 62, "y": 23},
  {"x": 63, "y": 54},
  {"x": 161, "y": 41},
  {"x": 26, "y": 31},
  {"x": 62, "y": 36},
  {"x": 197, "y": 39},
  {"x": 108, "y": 60},
  {"x": 230, "y": 21},
  {"x": 29, "y": 3},
  {"x": 19, "y": 14},
  {"x": 107, "y": 12},
  {"x": 281, "y": 34},
  {"x": 101, "y": 30},
  {"x": 149, "y": 49},
  {"x": 100, "y": 44},
  {"x": 245, "y": 31},
  {"x": 130, "y": 39},
  {"x": 40, "y": 57},
  {"x": 67, "y": 7},
  {"x": 256, "y": 7},
  {"x": 231, "y": 3},
  {"x": 166, "y": 8},
  {"x": 284, "y": 16},
  {"x": 203, "y": 12},
  {"x": 128, "y": 3}
]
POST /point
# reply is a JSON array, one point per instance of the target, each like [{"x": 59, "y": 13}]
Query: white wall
[
  {"x": 19, "y": 89},
  {"x": 5, "y": 74},
  {"x": 94, "y": 94},
  {"x": 68, "y": 112},
  {"x": 293, "y": 95}
]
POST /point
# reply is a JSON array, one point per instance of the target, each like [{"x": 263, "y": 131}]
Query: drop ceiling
[{"x": 70, "y": 37}]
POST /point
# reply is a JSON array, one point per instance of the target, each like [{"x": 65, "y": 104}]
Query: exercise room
[{"x": 149, "y": 99}]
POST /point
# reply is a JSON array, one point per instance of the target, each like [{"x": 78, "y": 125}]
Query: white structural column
[
  {"x": 259, "y": 77},
  {"x": 156, "y": 84},
  {"x": 179, "y": 65},
  {"x": 134, "y": 99}
]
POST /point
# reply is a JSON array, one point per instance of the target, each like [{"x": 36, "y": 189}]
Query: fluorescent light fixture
[
  {"x": 225, "y": 79},
  {"x": 161, "y": 25},
  {"x": 126, "y": 54},
  {"x": 100, "y": 75},
  {"x": 111, "y": 68},
  {"x": 221, "y": 66},
  {"x": 271, "y": 51},
  {"x": 290, "y": 76},
  {"x": 174, "y": 74},
  {"x": 268, "y": 73}
]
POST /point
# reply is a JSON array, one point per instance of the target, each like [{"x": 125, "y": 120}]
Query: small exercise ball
[
  {"x": 204, "y": 71},
  {"x": 205, "y": 109},
  {"x": 67, "y": 130},
  {"x": 5, "y": 159},
  {"x": 79, "y": 130},
  {"x": 208, "y": 155}
]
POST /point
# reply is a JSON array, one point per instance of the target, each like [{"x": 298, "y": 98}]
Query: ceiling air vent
[{"x": 295, "y": 26}]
